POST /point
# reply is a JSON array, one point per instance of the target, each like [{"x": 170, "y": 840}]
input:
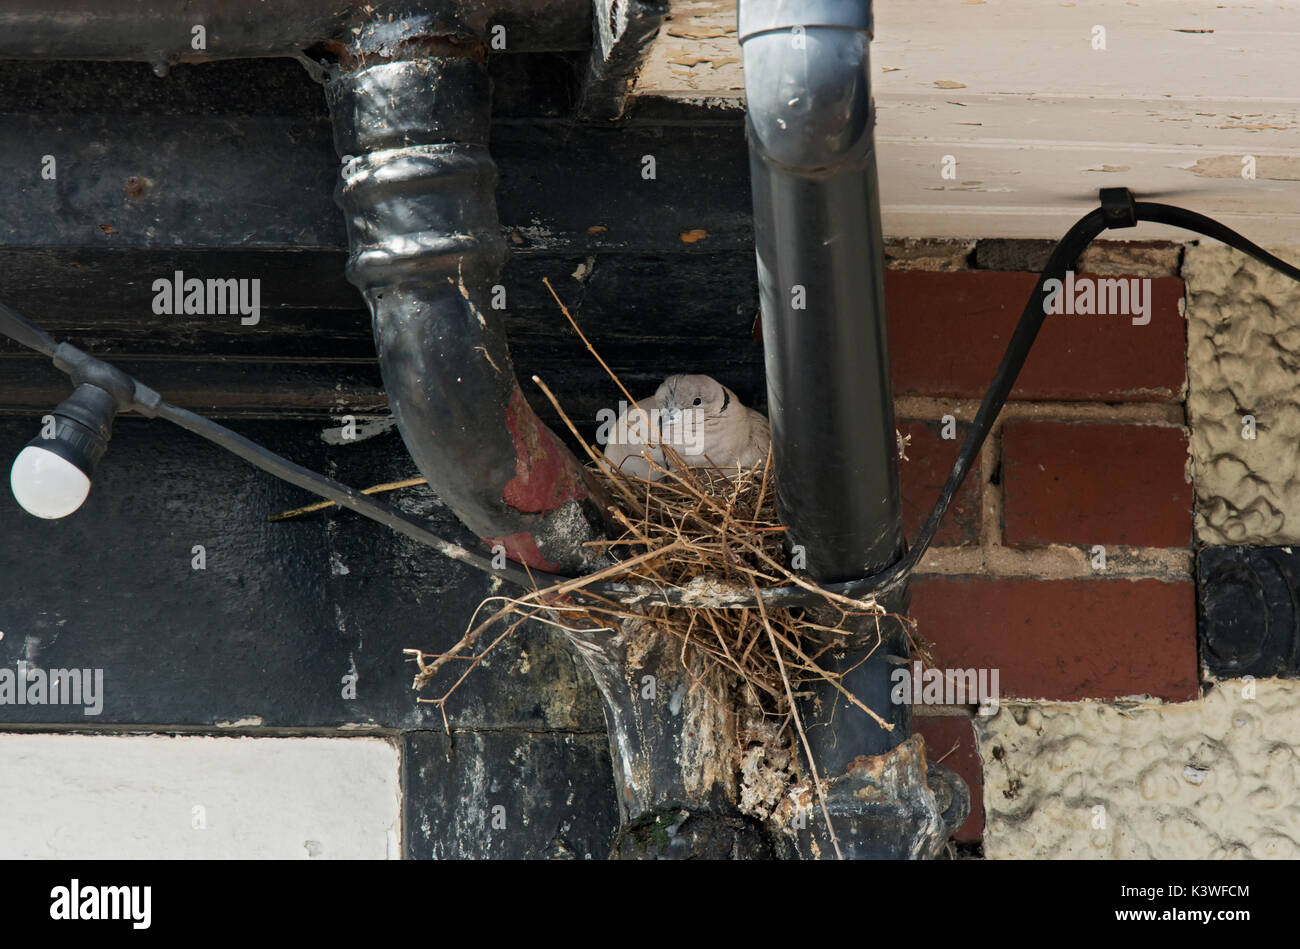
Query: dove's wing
[
  {"x": 626, "y": 445},
  {"x": 738, "y": 439},
  {"x": 758, "y": 438}
]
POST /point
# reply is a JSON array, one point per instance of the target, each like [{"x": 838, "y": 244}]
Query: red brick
[
  {"x": 1086, "y": 483},
  {"x": 948, "y": 331},
  {"x": 950, "y": 740},
  {"x": 1065, "y": 639},
  {"x": 922, "y": 476}
]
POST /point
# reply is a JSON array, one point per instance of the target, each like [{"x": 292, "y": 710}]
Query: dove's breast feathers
[{"x": 625, "y": 447}]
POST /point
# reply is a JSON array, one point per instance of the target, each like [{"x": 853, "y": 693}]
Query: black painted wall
[
  {"x": 239, "y": 170},
  {"x": 228, "y": 170}
]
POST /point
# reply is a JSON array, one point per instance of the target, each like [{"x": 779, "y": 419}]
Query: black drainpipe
[
  {"x": 412, "y": 111},
  {"x": 820, "y": 255},
  {"x": 409, "y": 96},
  {"x": 411, "y": 104}
]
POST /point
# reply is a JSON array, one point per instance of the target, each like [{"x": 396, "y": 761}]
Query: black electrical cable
[
  {"x": 1118, "y": 210},
  {"x": 403, "y": 523},
  {"x": 331, "y": 490},
  {"x": 20, "y": 329},
  {"x": 1067, "y": 251},
  {"x": 1209, "y": 227}
]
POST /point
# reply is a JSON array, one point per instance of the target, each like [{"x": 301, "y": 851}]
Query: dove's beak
[{"x": 670, "y": 423}]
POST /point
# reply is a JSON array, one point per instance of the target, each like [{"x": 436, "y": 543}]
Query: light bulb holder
[
  {"x": 128, "y": 394},
  {"x": 83, "y": 424}
]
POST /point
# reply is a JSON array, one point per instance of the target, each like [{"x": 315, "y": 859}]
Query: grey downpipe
[
  {"x": 821, "y": 281},
  {"x": 820, "y": 258}
]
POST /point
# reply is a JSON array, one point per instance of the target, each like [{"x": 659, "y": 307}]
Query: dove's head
[
  {"x": 690, "y": 407},
  {"x": 703, "y": 395}
]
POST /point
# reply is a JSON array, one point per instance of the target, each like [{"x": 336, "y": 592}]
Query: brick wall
[{"x": 1089, "y": 457}]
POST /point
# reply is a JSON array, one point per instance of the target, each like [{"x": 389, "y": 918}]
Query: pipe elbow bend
[
  {"x": 807, "y": 86},
  {"x": 808, "y": 97}
]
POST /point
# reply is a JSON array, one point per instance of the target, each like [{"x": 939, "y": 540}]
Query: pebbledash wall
[{"x": 1132, "y": 722}]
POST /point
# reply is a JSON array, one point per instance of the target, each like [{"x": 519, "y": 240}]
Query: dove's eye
[{"x": 698, "y": 400}]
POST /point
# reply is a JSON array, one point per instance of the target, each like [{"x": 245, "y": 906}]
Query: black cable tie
[{"x": 1119, "y": 207}]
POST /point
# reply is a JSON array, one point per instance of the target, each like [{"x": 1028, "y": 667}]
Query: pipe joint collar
[{"x": 761, "y": 16}]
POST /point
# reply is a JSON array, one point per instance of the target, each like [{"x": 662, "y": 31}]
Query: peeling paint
[
  {"x": 249, "y": 721},
  {"x": 1271, "y": 167},
  {"x": 546, "y": 475}
]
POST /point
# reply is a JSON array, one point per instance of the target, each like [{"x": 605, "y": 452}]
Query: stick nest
[{"x": 713, "y": 532}]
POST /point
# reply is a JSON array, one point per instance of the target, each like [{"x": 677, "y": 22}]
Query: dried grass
[{"x": 700, "y": 529}]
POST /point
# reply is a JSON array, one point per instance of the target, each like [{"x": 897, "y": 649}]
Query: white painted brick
[{"x": 102, "y": 796}]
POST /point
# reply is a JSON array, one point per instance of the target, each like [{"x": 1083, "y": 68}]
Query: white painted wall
[
  {"x": 1037, "y": 119},
  {"x": 95, "y": 797}
]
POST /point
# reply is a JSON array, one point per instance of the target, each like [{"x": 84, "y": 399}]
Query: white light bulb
[{"x": 46, "y": 484}]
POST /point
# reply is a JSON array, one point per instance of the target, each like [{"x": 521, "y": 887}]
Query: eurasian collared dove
[{"x": 699, "y": 418}]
